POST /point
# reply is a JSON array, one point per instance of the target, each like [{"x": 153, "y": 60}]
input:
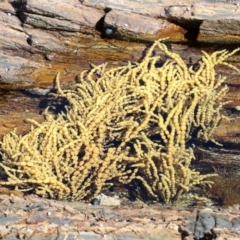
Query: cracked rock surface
[{"x": 31, "y": 217}]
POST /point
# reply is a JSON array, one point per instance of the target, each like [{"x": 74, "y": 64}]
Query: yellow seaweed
[{"x": 126, "y": 123}]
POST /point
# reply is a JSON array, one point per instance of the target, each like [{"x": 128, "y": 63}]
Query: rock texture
[
  {"x": 31, "y": 217},
  {"x": 40, "y": 38}
]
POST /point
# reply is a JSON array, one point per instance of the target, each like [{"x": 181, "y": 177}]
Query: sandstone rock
[
  {"x": 65, "y": 15},
  {"x": 152, "y": 8},
  {"x": 125, "y": 26},
  {"x": 47, "y": 38}
]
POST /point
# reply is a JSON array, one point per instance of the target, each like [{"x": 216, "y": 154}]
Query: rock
[
  {"x": 108, "y": 200},
  {"x": 28, "y": 32},
  {"x": 11, "y": 81},
  {"x": 210, "y": 221},
  {"x": 37, "y": 217},
  {"x": 40, "y": 40},
  {"x": 152, "y": 8},
  {"x": 12, "y": 35},
  {"x": 47, "y": 39},
  {"x": 125, "y": 25},
  {"x": 8, "y": 220},
  {"x": 62, "y": 15},
  {"x": 124, "y": 222}
]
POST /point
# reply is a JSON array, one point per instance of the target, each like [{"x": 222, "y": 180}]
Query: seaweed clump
[{"x": 124, "y": 124}]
